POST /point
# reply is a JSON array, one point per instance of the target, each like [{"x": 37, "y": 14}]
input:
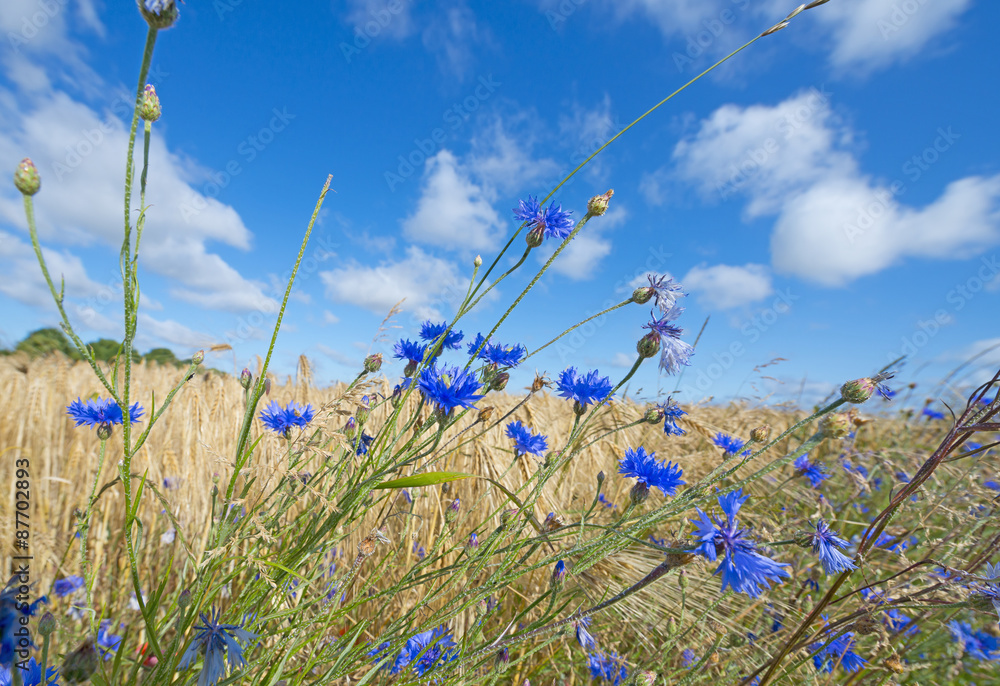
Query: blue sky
[{"x": 830, "y": 197}]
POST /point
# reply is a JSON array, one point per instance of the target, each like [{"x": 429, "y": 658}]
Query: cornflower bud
[
  {"x": 894, "y": 664},
  {"x": 500, "y": 381},
  {"x": 184, "y": 599},
  {"x": 478, "y": 261},
  {"x": 452, "y": 511},
  {"x": 473, "y": 540},
  {"x": 642, "y": 295},
  {"x": 81, "y": 664},
  {"x": 507, "y": 517},
  {"x": 26, "y": 177},
  {"x": 639, "y": 493},
  {"x": 503, "y": 657},
  {"x": 198, "y": 357},
  {"x": 373, "y": 363},
  {"x": 761, "y": 433},
  {"x": 600, "y": 478},
  {"x": 159, "y": 14},
  {"x": 538, "y": 384},
  {"x": 267, "y": 386},
  {"x": 104, "y": 431},
  {"x": 47, "y": 624},
  {"x": 654, "y": 415},
  {"x": 246, "y": 378},
  {"x": 645, "y": 678},
  {"x": 682, "y": 579},
  {"x": 598, "y": 205},
  {"x": 535, "y": 237},
  {"x": 648, "y": 345},
  {"x": 559, "y": 573},
  {"x": 410, "y": 369},
  {"x": 149, "y": 105},
  {"x": 860, "y": 390}
]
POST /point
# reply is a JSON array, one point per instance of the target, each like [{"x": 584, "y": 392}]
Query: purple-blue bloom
[
  {"x": 495, "y": 353},
  {"x": 101, "y": 411},
  {"x": 282, "y": 419},
  {"x": 644, "y": 467},
  {"x": 422, "y": 652},
  {"x": 157, "y": 7},
  {"x": 839, "y": 651},
  {"x": 665, "y": 291},
  {"x": 673, "y": 351},
  {"x": 688, "y": 657},
  {"x": 552, "y": 221},
  {"x": 584, "y": 389},
  {"x": 978, "y": 644},
  {"x": 743, "y": 568},
  {"x": 71, "y": 584},
  {"x": 671, "y": 413},
  {"x": 932, "y": 414},
  {"x": 31, "y": 674},
  {"x": 811, "y": 470},
  {"x": 108, "y": 642},
  {"x": 449, "y": 387},
  {"x": 218, "y": 643},
  {"x": 526, "y": 442},
  {"x": 825, "y": 542},
  {"x": 11, "y": 612},
  {"x": 610, "y": 667},
  {"x": 730, "y": 444},
  {"x": 584, "y": 637},
  {"x": 408, "y": 350},
  {"x": 430, "y": 332},
  {"x": 364, "y": 442}
]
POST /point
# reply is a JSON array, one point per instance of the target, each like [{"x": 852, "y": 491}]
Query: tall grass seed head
[
  {"x": 598, "y": 205},
  {"x": 159, "y": 14},
  {"x": 149, "y": 105},
  {"x": 26, "y": 177}
]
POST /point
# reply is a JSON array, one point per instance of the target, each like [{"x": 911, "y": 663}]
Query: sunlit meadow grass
[{"x": 252, "y": 529}]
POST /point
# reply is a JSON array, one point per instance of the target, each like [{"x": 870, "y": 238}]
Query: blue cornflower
[
  {"x": 552, "y": 221},
  {"x": 584, "y": 637},
  {"x": 495, "y": 353},
  {"x": 992, "y": 485},
  {"x": 171, "y": 482},
  {"x": 673, "y": 351},
  {"x": 585, "y": 389},
  {"x": 11, "y": 612},
  {"x": 408, "y": 350},
  {"x": 900, "y": 623},
  {"x": 688, "y": 657},
  {"x": 31, "y": 675},
  {"x": 559, "y": 572},
  {"x": 364, "y": 441},
  {"x": 839, "y": 651},
  {"x": 604, "y": 501},
  {"x": 217, "y": 642},
  {"x": 419, "y": 550},
  {"x": 671, "y": 413},
  {"x": 992, "y": 588},
  {"x": 422, "y": 652},
  {"x": 107, "y": 642},
  {"x": 932, "y": 414},
  {"x": 978, "y": 644},
  {"x": 730, "y": 444},
  {"x": 281, "y": 420},
  {"x": 449, "y": 387},
  {"x": 526, "y": 442},
  {"x": 665, "y": 291},
  {"x": 430, "y": 332},
  {"x": 71, "y": 584},
  {"x": 610, "y": 667},
  {"x": 811, "y": 470},
  {"x": 644, "y": 467},
  {"x": 101, "y": 412},
  {"x": 157, "y": 7},
  {"x": 825, "y": 542},
  {"x": 743, "y": 568}
]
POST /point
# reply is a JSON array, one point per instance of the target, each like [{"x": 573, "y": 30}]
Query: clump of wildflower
[
  {"x": 584, "y": 389},
  {"x": 422, "y": 652},
  {"x": 526, "y": 442},
  {"x": 645, "y": 468},
  {"x": 607, "y": 667},
  {"x": 839, "y": 651},
  {"x": 825, "y": 542},
  {"x": 449, "y": 387},
  {"x": 743, "y": 568},
  {"x": 431, "y": 332},
  {"x": 101, "y": 413},
  {"x": 811, "y": 470},
  {"x": 551, "y": 222},
  {"x": 218, "y": 644},
  {"x": 730, "y": 444},
  {"x": 688, "y": 657},
  {"x": 107, "y": 642},
  {"x": 282, "y": 419},
  {"x": 673, "y": 351},
  {"x": 364, "y": 442}
]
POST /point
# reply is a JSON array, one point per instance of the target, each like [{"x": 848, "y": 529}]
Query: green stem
[{"x": 576, "y": 326}]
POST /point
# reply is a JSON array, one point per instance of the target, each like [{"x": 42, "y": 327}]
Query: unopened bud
[
  {"x": 858, "y": 391},
  {"x": 648, "y": 345},
  {"x": 503, "y": 657},
  {"x": 184, "y": 599},
  {"x": 761, "y": 433},
  {"x": 835, "y": 426},
  {"x": 639, "y": 493},
  {"x": 671, "y": 627},
  {"x": 149, "y": 105},
  {"x": 81, "y": 664},
  {"x": 452, "y": 511},
  {"x": 654, "y": 415},
  {"x": 535, "y": 237},
  {"x": 559, "y": 573},
  {"x": 642, "y": 295},
  {"x": 579, "y": 409},
  {"x": 47, "y": 624},
  {"x": 478, "y": 261},
  {"x": 246, "y": 378},
  {"x": 598, "y": 205},
  {"x": 26, "y": 178},
  {"x": 473, "y": 540},
  {"x": 486, "y": 413},
  {"x": 198, "y": 357},
  {"x": 104, "y": 431},
  {"x": 410, "y": 369},
  {"x": 645, "y": 678},
  {"x": 500, "y": 381},
  {"x": 507, "y": 517},
  {"x": 682, "y": 580},
  {"x": 159, "y": 14},
  {"x": 373, "y": 363},
  {"x": 267, "y": 386},
  {"x": 600, "y": 478}
]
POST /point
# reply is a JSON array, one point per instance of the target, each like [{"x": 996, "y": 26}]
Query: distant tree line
[{"x": 46, "y": 341}]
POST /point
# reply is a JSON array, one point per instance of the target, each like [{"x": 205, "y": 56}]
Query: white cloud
[
  {"x": 79, "y": 156},
  {"x": 834, "y": 223},
  {"x": 154, "y": 330},
  {"x": 870, "y": 34},
  {"x": 453, "y": 211},
  {"x": 724, "y": 286},
  {"x": 390, "y": 18},
  {"x": 580, "y": 259},
  {"x": 23, "y": 280},
  {"x": 622, "y": 360},
  {"x": 504, "y": 162},
  {"x": 451, "y": 35},
  {"x": 330, "y": 318},
  {"x": 427, "y": 284}
]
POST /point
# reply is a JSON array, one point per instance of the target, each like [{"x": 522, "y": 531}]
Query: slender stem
[{"x": 576, "y": 326}]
